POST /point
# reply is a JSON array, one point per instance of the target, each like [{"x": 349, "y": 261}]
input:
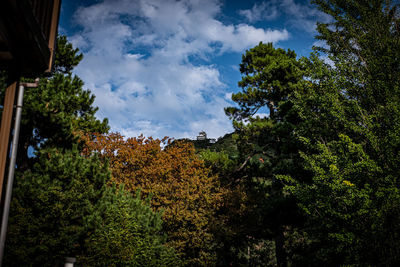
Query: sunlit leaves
[{"x": 177, "y": 181}]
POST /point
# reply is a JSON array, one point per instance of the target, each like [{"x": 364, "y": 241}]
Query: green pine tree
[
  {"x": 64, "y": 207},
  {"x": 267, "y": 147},
  {"x": 59, "y": 110}
]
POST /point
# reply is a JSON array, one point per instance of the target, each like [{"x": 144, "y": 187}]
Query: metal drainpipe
[{"x": 11, "y": 169}]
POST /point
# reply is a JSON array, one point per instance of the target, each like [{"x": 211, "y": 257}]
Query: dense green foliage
[
  {"x": 352, "y": 147},
  {"x": 128, "y": 233},
  {"x": 63, "y": 207},
  {"x": 50, "y": 207},
  {"x": 320, "y": 173}
]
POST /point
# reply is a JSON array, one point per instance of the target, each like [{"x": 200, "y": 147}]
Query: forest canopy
[{"x": 314, "y": 183}]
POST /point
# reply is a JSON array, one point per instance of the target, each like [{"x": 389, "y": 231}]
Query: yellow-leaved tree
[{"x": 178, "y": 183}]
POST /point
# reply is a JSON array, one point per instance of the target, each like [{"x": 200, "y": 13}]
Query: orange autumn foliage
[{"x": 178, "y": 183}]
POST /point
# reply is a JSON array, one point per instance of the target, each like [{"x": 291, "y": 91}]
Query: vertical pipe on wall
[{"x": 11, "y": 169}]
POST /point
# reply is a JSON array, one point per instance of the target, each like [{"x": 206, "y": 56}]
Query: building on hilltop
[{"x": 202, "y": 136}]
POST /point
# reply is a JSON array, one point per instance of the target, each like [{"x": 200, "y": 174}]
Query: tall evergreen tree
[
  {"x": 270, "y": 77},
  {"x": 351, "y": 134}
]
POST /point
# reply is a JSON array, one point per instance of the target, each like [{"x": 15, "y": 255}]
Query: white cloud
[
  {"x": 138, "y": 61},
  {"x": 323, "y": 56},
  {"x": 304, "y": 16},
  {"x": 298, "y": 15},
  {"x": 261, "y": 115},
  {"x": 264, "y": 11}
]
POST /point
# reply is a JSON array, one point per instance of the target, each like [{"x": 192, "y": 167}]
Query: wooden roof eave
[{"x": 23, "y": 38}]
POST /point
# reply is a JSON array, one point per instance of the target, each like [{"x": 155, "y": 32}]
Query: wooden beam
[
  {"x": 22, "y": 35},
  {"x": 53, "y": 32},
  {"x": 5, "y": 129}
]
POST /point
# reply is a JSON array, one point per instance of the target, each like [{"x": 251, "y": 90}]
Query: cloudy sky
[{"x": 168, "y": 67}]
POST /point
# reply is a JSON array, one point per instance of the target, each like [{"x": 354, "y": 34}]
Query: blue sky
[{"x": 168, "y": 68}]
